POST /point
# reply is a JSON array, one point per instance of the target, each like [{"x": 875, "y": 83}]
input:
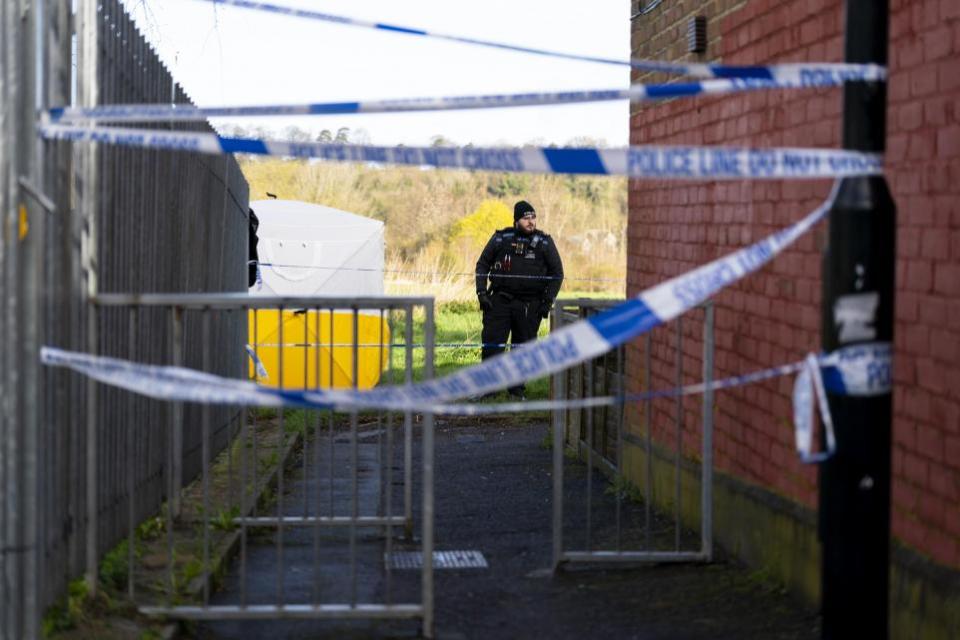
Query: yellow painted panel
[{"x": 302, "y": 363}]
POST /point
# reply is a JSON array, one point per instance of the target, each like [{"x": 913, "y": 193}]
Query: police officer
[
  {"x": 525, "y": 274},
  {"x": 253, "y": 262}
]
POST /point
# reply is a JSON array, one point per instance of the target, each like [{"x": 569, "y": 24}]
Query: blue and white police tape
[
  {"x": 576, "y": 342},
  {"x": 378, "y": 345},
  {"x": 257, "y": 363},
  {"x": 170, "y": 383},
  {"x": 783, "y": 72},
  {"x": 186, "y": 385},
  {"x": 660, "y": 162},
  {"x": 851, "y": 365},
  {"x": 848, "y": 376},
  {"x": 636, "y": 93},
  {"x": 443, "y": 274},
  {"x": 807, "y": 389},
  {"x": 856, "y": 370}
]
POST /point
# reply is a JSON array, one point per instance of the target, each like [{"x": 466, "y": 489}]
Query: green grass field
[{"x": 456, "y": 323}]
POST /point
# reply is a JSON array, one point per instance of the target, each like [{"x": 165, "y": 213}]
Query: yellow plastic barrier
[{"x": 300, "y": 362}]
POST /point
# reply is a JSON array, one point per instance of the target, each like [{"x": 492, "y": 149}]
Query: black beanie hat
[{"x": 521, "y": 209}]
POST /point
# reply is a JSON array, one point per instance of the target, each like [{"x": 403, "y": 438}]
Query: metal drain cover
[{"x": 441, "y": 560}]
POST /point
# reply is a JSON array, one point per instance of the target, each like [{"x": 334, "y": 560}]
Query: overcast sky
[{"x": 230, "y": 56}]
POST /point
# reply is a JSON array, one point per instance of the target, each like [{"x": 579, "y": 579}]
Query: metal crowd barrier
[
  {"x": 601, "y": 446},
  {"x": 322, "y": 509}
]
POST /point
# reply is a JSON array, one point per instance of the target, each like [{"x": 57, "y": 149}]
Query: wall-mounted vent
[{"x": 697, "y": 35}]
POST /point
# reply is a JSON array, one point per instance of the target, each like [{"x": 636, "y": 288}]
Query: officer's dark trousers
[{"x": 509, "y": 316}]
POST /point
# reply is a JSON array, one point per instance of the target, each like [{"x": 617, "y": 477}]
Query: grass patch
[
  {"x": 68, "y": 612},
  {"x": 297, "y": 421},
  {"x": 78, "y": 615},
  {"x": 622, "y": 488},
  {"x": 114, "y": 567},
  {"x": 456, "y": 323}
]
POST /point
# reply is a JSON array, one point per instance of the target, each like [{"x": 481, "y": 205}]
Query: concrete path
[{"x": 493, "y": 490}]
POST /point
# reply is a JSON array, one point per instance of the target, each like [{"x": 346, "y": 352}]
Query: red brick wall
[{"x": 773, "y": 317}]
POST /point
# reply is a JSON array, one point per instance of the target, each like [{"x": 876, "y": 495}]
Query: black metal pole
[{"x": 858, "y": 291}]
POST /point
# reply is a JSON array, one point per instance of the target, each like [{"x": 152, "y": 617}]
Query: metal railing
[
  {"x": 339, "y": 487},
  {"x": 603, "y": 448}
]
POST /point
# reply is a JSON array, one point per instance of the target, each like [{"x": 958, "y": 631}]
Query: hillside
[{"x": 438, "y": 221}]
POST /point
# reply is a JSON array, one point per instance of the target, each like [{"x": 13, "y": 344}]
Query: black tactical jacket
[{"x": 510, "y": 252}]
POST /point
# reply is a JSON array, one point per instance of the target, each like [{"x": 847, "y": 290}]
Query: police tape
[
  {"x": 793, "y": 72},
  {"x": 378, "y": 345},
  {"x": 808, "y": 391},
  {"x": 257, "y": 363},
  {"x": 856, "y": 367},
  {"x": 636, "y": 93},
  {"x": 442, "y": 274},
  {"x": 544, "y": 405},
  {"x": 857, "y": 370},
  {"x": 569, "y": 345},
  {"x": 836, "y": 384},
  {"x": 186, "y": 385},
  {"x": 660, "y": 162}
]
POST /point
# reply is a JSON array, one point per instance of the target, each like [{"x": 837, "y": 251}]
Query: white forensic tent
[
  {"x": 309, "y": 249},
  {"x": 306, "y": 250}
]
